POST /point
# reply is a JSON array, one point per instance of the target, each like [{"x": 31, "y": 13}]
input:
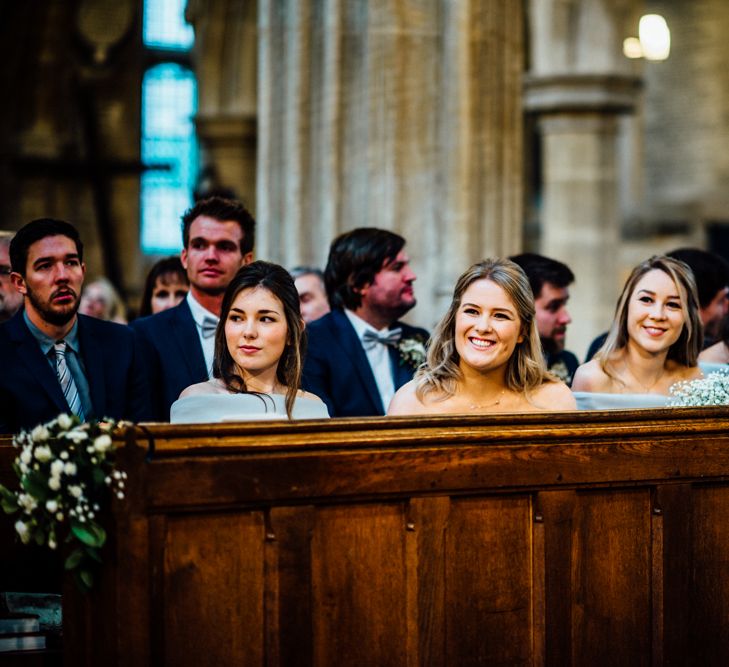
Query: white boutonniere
[{"x": 411, "y": 351}]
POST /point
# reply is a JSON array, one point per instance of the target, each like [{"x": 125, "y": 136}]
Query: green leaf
[
  {"x": 8, "y": 500},
  {"x": 73, "y": 560},
  {"x": 36, "y": 486},
  {"x": 91, "y": 552},
  {"x": 98, "y": 476},
  {"x": 89, "y": 532},
  {"x": 86, "y": 577},
  {"x": 80, "y": 583},
  {"x": 40, "y": 537}
]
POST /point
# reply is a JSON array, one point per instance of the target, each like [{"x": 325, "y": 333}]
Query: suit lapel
[
  {"x": 346, "y": 336},
  {"x": 32, "y": 358},
  {"x": 93, "y": 359},
  {"x": 184, "y": 331}
]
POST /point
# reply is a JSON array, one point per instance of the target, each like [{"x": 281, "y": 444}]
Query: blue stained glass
[
  {"x": 164, "y": 25},
  {"x": 169, "y": 102}
]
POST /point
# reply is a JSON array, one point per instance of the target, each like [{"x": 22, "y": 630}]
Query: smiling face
[
  {"x": 256, "y": 334},
  {"x": 52, "y": 283},
  {"x": 487, "y": 327},
  {"x": 655, "y": 312}
]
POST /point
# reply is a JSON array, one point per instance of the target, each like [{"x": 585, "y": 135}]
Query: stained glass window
[{"x": 169, "y": 103}]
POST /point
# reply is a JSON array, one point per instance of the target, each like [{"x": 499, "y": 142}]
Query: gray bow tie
[
  {"x": 209, "y": 325},
  {"x": 371, "y": 338}
]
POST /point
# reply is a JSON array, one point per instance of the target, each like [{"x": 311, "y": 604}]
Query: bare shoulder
[
  {"x": 307, "y": 394},
  {"x": 591, "y": 377},
  {"x": 555, "y": 396},
  {"x": 202, "y": 388},
  {"x": 679, "y": 372},
  {"x": 718, "y": 353},
  {"x": 406, "y": 402}
]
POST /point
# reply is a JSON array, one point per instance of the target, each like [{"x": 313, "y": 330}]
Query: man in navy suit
[
  {"x": 54, "y": 360},
  {"x": 179, "y": 343},
  {"x": 359, "y": 354}
]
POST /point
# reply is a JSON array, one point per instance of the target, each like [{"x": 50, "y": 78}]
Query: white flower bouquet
[
  {"x": 412, "y": 351},
  {"x": 65, "y": 469},
  {"x": 710, "y": 390}
]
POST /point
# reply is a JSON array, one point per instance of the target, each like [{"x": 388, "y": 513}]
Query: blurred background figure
[
  {"x": 165, "y": 287},
  {"x": 10, "y": 298},
  {"x": 100, "y": 299},
  {"x": 309, "y": 283}
]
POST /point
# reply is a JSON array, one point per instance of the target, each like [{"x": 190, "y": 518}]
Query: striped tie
[{"x": 66, "y": 379}]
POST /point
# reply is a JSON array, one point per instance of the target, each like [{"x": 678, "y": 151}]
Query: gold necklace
[{"x": 481, "y": 406}]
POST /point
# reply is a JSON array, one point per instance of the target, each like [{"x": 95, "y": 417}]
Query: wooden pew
[{"x": 559, "y": 539}]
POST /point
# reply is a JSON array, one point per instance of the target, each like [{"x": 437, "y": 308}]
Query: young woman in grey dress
[{"x": 259, "y": 345}]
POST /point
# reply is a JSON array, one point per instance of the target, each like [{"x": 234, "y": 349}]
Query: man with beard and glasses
[
  {"x": 54, "y": 360},
  {"x": 550, "y": 280},
  {"x": 10, "y": 299},
  {"x": 359, "y": 354},
  {"x": 179, "y": 343}
]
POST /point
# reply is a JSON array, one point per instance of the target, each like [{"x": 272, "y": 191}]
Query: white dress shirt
[
  {"x": 199, "y": 313},
  {"x": 379, "y": 357}
]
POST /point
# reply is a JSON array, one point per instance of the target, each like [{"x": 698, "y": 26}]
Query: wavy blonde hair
[
  {"x": 686, "y": 349},
  {"x": 526, "y": 369}
]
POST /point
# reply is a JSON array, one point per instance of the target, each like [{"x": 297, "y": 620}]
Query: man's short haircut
[
  {"x": 35, "y": 231},
  {"x": 299, "y": 271},
  {"x": 354, "y": 260},
  {"x": 540, "y": 270},
  {"x": 223, "y": 210},
  {"x": 711, "y": 271}
]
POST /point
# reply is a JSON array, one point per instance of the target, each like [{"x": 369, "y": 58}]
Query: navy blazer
[
  {"x": 29, "y": 389},
  {"x": 173, "y": 353},
  {"x": 337, "y": 370}
]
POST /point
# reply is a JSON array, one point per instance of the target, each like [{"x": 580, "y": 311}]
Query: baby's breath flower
[
  {"x": 43, "y": 453},
  {"x": 710, "y": 390},
  {"x": 54, "y": 483},
  {"x": 65, "y": 422},
  {"x": 40, "y": 433}
]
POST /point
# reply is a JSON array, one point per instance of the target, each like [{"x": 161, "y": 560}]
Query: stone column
[
  {"x": 225, "y": 56},
  {"x": 578, "y": 85},
  {"x": 400, "y": 114}
]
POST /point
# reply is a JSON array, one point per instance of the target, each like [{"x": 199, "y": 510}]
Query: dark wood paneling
[
  {"x": 488, "y": 582},
  {"x": 358, "y": 585},
  {"x": 213, "y": 590}
]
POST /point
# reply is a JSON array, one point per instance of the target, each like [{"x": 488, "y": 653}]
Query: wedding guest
[
  {"x": 101, "y": 300},
  {"x": 550, "y": 281},
  {"x": 718, "y": 353},
  {"x": 178, "y": 343},
  {"x": 166, "y": 286},
  {"x": 259, "y": 345},
  {"x": 53, "y": 359},
  {"x": 360, "y": 353},
  {"x": 309, "y": 283},
  {"x": 485, "y": 354},
  {"x": 655, "y": 338},
  {"x": 10, "y": 299}
]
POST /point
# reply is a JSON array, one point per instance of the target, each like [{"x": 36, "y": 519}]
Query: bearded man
[{"x": 54, "y": 360}]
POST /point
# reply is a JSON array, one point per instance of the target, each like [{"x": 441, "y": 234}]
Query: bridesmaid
[
  {"x": 655, "y": 338},
  {"x": 485, "y": 354}
]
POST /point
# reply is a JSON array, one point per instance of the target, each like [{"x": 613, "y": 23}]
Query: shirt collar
[
  {"x": 360, "y": 326},
  {"x": 199, "y": 312},
  {"x": 46, "y": 342}
]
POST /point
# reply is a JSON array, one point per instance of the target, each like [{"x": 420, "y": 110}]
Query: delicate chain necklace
[
  {"x": 481, "y": 406},
  {"x": 646, "y": 388}
]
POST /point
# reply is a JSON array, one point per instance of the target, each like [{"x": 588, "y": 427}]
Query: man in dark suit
[
  {"x": 359, "y": 354},
  {"x": 54, "y": 360},
  {"x": 550, "y": 281},
  {"x": 178, "y": 344}
]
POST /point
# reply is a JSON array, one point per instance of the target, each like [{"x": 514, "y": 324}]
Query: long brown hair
[{"x": 279, "y": 282}]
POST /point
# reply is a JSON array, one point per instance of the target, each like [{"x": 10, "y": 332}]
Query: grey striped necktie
[{"x": 70, "y": 391}]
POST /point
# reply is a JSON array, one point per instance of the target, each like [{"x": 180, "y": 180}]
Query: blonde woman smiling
[
  {"x": 655, "y": 338},
  {"x": 485, "y": 354}
]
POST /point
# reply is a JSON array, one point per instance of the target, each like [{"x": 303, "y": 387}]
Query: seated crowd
[{"x": 220, "y": 337}]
